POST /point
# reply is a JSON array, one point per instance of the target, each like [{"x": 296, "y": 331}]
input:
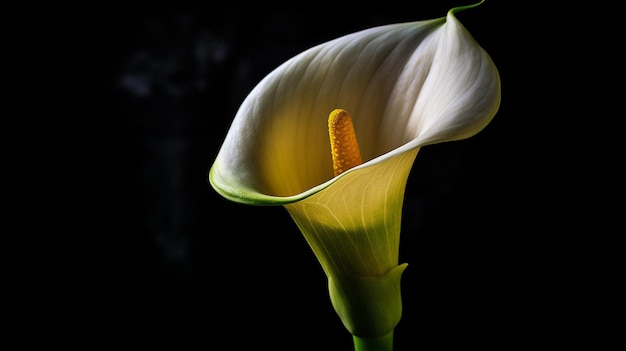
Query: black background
[{"x": 157, "y": 256}]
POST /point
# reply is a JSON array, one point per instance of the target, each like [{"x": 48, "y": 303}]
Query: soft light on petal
[
  {"x": 405, "y": 85},
  {"x": 361, "y": 212}
]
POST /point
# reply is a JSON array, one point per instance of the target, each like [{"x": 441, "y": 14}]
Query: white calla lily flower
[{"x": 405, "y": 86}]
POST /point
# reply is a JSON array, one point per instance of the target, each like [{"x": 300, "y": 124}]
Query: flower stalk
[{"x": 384, "y": 343}]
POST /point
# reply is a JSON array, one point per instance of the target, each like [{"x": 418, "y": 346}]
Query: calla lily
[{"x": 405, "y": 85}]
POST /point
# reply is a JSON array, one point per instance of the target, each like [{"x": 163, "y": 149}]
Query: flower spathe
[{"x": 405, "y": 86}]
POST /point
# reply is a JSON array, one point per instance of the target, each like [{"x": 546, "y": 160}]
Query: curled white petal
[{"x": 405, "y": 85}]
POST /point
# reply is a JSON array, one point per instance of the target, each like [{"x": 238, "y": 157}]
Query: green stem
[{"x": 384, "y": 343}]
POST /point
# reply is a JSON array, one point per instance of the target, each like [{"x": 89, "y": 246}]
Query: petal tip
[{"x": 458, "y": 9}]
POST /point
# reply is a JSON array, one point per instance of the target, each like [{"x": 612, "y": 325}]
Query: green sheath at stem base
[{"x": 384, "y": 343}]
